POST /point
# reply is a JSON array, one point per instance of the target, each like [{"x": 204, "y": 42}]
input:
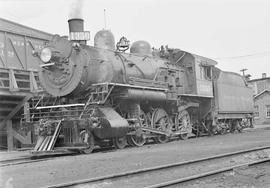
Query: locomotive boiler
[{"x": 101, "y": 95}]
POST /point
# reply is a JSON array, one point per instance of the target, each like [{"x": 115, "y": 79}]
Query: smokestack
[
  {"x": 263, "y": 75},
  {"x": 76, "y": 25},
  {"x": 76, "y": 30}
]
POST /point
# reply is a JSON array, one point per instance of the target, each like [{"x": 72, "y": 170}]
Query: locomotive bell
[
  {"x": 141, "y": 47},
  {"x": 104, "y": 39}
]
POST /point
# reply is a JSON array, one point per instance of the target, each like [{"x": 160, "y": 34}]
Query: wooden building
[
  {"x": 261, "y": 90},
  {"x": 18, "y": 78}
]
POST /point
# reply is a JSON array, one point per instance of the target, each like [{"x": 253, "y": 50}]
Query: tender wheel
[
  {"x": 161, "y": 121},
  {"x": 236, "y": 127},
  {"x": 87, "y": 139},
  {"x": 120, "y": 143},
  {"x": 223, "y": 131}
]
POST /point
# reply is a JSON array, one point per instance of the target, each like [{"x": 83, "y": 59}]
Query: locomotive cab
[
  {"x": 203, "y": 72},
  {"x": 198, "y": 72}
]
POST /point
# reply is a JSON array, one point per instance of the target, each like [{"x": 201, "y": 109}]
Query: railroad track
[
  {"x": 33, "y": 158},
  {"x": 52, "y": 155},
  {"x": 21, "y": 160},
  {"x": 176, "y": 173},
  {"x": 206, "y": 174},
  {"x": 46, "y": 156}
]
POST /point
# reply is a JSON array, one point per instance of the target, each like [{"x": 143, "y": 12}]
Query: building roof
[
  {"x": 258, "y": 79},
  {"x": 259, "y": 94},
  {"x": 16, "y": 28},
  {"x": 205, "y": 60}
]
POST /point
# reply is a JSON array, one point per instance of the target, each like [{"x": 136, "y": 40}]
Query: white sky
[{"x": 210, "y": 28}]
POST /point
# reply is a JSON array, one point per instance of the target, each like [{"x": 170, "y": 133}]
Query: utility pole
[
  {"x": 105, "y": 19},
  {"x": 243, "y": 70}
]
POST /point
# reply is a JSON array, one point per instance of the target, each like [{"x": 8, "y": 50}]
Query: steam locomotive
[{"x": 100, "y": 95}]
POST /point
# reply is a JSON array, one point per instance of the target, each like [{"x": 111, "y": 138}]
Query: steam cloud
[{"x": 76, "y": 9}]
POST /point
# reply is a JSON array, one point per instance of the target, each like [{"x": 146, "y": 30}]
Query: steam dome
[
  {"x": 141, "y": 47},
  {"x": 104, "y": 39}
]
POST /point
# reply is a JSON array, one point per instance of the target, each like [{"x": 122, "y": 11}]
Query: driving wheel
[
  {"x": 184, "y": 124},
  {"x": 139, "y": 139},
  {"x": 161, "y": 121}
]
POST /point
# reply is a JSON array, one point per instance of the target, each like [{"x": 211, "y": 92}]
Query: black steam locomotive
[{"x": 100, "y": 95}]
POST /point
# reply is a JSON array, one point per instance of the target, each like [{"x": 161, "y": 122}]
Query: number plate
[{"x": 85, "y": 35}]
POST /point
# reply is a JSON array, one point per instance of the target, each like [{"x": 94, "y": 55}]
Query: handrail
[{"x": 60, "y": 106}]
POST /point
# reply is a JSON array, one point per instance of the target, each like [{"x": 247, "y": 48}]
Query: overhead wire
[{"x": 244, "y": 56}]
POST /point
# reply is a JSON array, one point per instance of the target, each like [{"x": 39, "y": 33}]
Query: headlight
[{"x": 46, "y": 55}]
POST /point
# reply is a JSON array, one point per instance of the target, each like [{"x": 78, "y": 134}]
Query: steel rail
[
  {"x": 22, "y": 160},
  {"x": 156, "y": 168},
  {"x": 32, "y": 159},
  {"x": 206, "y": 174},
  {"x": 44, "y": 157}
]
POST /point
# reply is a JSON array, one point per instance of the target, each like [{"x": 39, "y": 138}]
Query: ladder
[{"x": 98, "y": 96}]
